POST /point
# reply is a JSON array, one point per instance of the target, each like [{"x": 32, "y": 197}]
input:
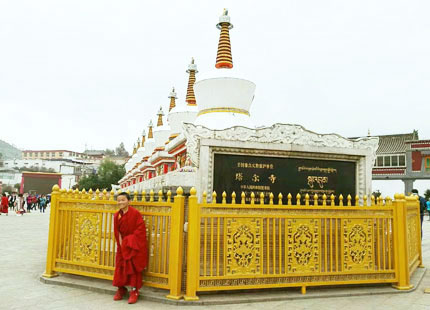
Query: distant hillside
[{"x": 9, "y": 151}]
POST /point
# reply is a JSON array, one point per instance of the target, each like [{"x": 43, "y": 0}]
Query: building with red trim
[
  {"x": 402, "y": 157},
  {"x": 58, "y": 154}
]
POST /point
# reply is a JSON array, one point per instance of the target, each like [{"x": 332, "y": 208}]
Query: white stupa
[
  {"x": 141, "y": 150},
  {"x": 132, "y": 161},
  {"x": 150, "y": 141},
  {"x": 224, "y": 98},
  {"x": 185, "y": 112},
  {"x": 161, "y": 131}
]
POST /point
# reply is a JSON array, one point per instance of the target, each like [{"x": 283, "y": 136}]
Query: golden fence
[
  {"x": 242, "y": 246},
  {"x": 413, "y": 234},
  {"x": 248, "y": 246},
  {"x": 82, "y": 241}
]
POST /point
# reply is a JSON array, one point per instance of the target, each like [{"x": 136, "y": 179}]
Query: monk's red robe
[
  {"x": 4, "y": 205},
  {"x": 132, "y": 254}
]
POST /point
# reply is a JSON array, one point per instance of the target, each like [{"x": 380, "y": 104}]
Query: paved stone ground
[{"x": 23, "y": 255}]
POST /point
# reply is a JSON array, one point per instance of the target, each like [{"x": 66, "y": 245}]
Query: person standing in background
[
  {"x": 29, "y": 202},
  {"x": 428, "y": 207},
  {"x": 19, "y": 204},
  {"x": 12, "y": 198},
  {"x": 4, "y": 205},
  {"x": 423, "y": 205},
  {"x": 35, "y": 201},
  {"x": 42, "y": 204}
]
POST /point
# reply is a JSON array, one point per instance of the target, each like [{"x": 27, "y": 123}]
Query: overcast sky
[{"x": 76, "y": 73}]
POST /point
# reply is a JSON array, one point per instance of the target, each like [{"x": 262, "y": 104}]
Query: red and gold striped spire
[
  {"x": 150, "y": 135},
  {"x": 223, "y": 57},
  {"x": 173, "y": 98},
  {"x": 160, "y": 117},
  {"x": 192, "y": 70}
]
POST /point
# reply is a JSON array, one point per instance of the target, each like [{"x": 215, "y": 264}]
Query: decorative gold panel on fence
[
  {"x": 412, "y": 233},
  {"x": 303, "y": 245},
  {"x": 86, "y": 231},
  {"x": 243, "y": 243},
  {"x": 358, "y": 244}
]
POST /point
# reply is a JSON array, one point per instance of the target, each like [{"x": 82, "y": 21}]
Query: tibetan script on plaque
[{"x": 262, "y": 174}]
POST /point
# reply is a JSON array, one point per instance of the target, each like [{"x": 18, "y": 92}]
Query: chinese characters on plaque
[{"x": 261, "y": 174}]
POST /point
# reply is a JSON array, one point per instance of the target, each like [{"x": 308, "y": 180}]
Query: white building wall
[
  {"x": 58, "y": 165},
  {"x": 66, "y": 168},
  {"x": 68, "y": 181},
  {"x": 10, "y": 178},
  {"x": 22, "y": 163}
]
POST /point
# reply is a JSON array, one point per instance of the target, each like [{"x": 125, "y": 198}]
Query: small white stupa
[
  {"x": 224, "y": 98},
  {"x": 128, "y": 165},
  {"x": 184, "y": 112},
  {"x": 150, "y": 142},
  {"x": 161, "y": 131},
  {"x": 141, "y": 149},
  {"x": 133, "y": 160}
]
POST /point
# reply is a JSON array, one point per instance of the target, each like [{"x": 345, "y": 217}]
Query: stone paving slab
[
  {"x": 23, "y": 245},
  {"x": 239, "y": 296}
]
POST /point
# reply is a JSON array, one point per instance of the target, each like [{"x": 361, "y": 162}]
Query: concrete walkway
[{"x": 22, "y": 261}]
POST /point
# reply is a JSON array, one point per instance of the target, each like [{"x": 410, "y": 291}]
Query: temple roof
[{"x": 391, "y": 144}]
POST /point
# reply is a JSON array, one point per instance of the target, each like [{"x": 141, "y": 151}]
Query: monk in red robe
[
  {"x": 132, "y": 252},
  {"x": 4, "y": 205}
]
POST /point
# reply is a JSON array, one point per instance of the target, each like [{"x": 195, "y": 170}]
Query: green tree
[
  {"x": 109, "y": 173},
  {"x": 89, "y": 182},
  {"x": 7, "y": 189},
  {"x": 109, "y": 152},
  {"x": 10, "y": 189},
  {"x": 121, "y": 151}
]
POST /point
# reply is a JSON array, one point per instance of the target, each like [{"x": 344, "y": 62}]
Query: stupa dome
[
  {"x": 186, "y": 112},
  {"x": 180, "y": 114},
  {"x": 224, "y": 98}
]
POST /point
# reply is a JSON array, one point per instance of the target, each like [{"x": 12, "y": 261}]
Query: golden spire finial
[
  {"x": 192, "y": 70},
  {"x": 368, "y": 132},
  {"x": 150, "y": 135},
  {"x": 134, "y": 149},
  {"x": 138, "y": 144},
  {"x": 143, "y": 137},
  {"x": 173, "y": 98},
  {"x": 160, "y": 117},
  {"x": 224, "y": 58}
]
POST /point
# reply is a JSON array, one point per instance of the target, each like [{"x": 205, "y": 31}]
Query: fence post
[
  {"x": 176, "y": 245},
  {"x": 193, "y": 250},
  {"x": 401, "y": 250},
  {"x": 50, "y": 257},
  {"x": 415, "y": 201},
  {"x": 419, "y": 241}
]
